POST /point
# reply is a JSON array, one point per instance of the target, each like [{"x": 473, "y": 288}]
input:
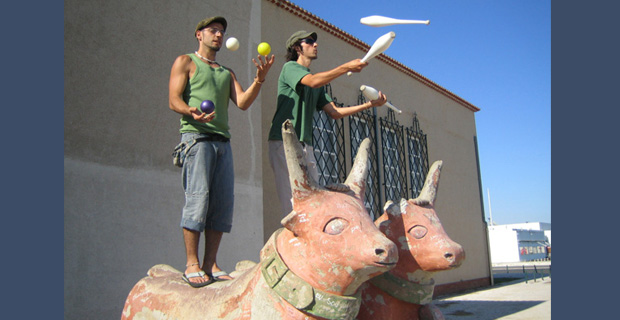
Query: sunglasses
[
  {"x": 308, "y": 41},
  {"x": 216, "y": 30}
]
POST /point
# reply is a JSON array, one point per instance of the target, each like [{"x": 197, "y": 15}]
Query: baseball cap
[
  {"x": 204, "y": 23},
  {"x": 301, "y": 34}
]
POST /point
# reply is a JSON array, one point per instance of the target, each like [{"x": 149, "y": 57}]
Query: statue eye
[
  {"x": 418, "y": 231},
  {"x": 335, "y": 226}
]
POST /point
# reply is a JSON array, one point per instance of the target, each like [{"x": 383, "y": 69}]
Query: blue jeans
[{"x": 208, "y": 181}]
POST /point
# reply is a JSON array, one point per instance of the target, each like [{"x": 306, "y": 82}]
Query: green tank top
[{"x": 208, "y": 83}]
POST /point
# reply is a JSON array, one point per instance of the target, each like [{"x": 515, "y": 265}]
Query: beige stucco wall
[{"x": 123, "y": 196}]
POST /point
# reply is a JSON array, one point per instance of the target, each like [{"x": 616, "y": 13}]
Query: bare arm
[
  {"x": 243, "y": 99},
  {"x": 322, "y": 78},
  {"x": 179, "y": 76},
  {"x": 336, "y": 113}
]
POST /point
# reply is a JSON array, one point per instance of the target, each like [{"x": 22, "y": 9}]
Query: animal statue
[
  {"x": 310, "y": 269},
  {"x": 406, "y": 291}
]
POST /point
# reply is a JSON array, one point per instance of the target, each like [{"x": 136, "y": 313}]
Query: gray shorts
[
  {"x": 277, "y": 159},
  {"x": 208, "y": 181}
]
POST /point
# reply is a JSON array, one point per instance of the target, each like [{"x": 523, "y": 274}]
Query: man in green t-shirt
[
  {"x": 300, "y": 93},
  {"x": 208, "y": 176}
]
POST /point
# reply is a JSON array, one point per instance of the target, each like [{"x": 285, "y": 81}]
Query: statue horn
[
  {"x": 302, "y": 184},
  {"x": 357, "y": 177},
  {"x": 429, "y": 191}
]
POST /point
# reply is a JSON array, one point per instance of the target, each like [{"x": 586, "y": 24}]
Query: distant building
[{"x": 520, "y": 242}]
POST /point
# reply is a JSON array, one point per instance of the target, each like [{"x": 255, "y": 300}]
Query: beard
[{"x": 311, "y": 55}]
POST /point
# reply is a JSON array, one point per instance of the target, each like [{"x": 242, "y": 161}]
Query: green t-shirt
[
  {"x": 296, "y": 102},
  {"x": 208, "y": 83}
]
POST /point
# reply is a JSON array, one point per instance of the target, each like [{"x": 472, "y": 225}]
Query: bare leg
[
  {"x": 191, "y": 238},
  {"x": 212, "y": 244}
]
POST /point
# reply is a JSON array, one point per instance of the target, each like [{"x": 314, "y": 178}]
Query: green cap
[
  {"x": 204, "y": 23},
  {"x": 302, "y": 34}
]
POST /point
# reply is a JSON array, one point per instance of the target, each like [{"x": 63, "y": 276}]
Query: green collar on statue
[
  {"x": 404, "y": 290},
  {"x": 301, "y": 294}
]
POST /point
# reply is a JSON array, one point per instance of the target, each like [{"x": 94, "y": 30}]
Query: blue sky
[{"x": 497, "y": 56}]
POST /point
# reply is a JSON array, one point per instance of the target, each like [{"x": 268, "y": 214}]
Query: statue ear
[
  {"x": 296, "y": 222},
  {"x": 290, "y": 222},
  {"x": 391, "y": 209},
  {"x": 383, "y": 225}
]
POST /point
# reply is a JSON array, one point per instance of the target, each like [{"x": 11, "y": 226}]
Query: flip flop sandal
[
  {"x": 199, "y": 274},
  {"x": 217, "y": 276}
]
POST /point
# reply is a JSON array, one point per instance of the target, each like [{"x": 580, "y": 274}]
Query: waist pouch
[{"x": 181, "y": 149}]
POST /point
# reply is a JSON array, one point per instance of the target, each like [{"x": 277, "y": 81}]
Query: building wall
[
  {"x": 504, "y": 245},
  {"x": 509, "y": 244},
  {"x": 529, "y": 226},
  {"x": 548, "y": 236},
  {"x": 532, "y": 245},
  {"x": 123, "y": 196},
  {"x": 530, "y": 235}
]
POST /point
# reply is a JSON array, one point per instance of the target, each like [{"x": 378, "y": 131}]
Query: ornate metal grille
[
  {"x": 394, "y": 160},
  {"x": 328, "y": 142},
  {"x": 362, "y": 125},
  {"x": 399, "y": 146},
  {"x": 418, "y": 157}
]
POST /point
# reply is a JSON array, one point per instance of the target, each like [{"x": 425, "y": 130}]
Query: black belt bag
[{"x": 181, "y": 150}]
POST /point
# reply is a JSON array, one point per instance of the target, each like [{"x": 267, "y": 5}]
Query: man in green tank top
[
  {"x": 300, "y": 94},
  {"x": 208, "y": 176}
]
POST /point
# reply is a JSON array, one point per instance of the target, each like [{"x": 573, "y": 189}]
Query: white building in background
[{"x": 520, "y": 242}]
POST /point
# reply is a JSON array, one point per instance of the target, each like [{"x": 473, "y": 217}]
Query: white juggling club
[
  {"x": 380, "y": 45},
  {"x": 381, "y": 21},
  {"x": 372, "y": 94}
]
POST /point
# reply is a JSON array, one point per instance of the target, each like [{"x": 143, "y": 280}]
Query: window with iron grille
[
  {"x": 418, "y": 157},
  {"x": 401, "y": 169},
  {"x": 328, "y": 143},
  {"x": 394, "y": 172},
  {"x": 362, "y": 126}
]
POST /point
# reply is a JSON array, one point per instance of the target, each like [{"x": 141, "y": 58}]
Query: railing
[{"x": 527, "y": 271}]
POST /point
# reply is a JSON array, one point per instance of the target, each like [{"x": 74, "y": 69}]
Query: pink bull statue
[
  {"x": 406, "y": 291},
  {"x": 310, "y": 269}
]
